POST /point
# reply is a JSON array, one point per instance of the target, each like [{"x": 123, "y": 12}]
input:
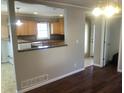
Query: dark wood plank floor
[{"x": 91, "y": 80}]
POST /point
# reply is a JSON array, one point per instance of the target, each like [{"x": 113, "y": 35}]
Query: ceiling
[
  {"x": 43, "y": 10},
  {"x": 26, "y": 8},
  {"x": 83, "y": 3},
  {"x": 52, "y": 11}
]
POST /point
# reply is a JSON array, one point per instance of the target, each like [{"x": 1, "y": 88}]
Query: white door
[{"x": 106, "y": 44}]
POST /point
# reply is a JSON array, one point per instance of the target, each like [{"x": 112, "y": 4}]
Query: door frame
[
  {"x": 120, "y": 53},
  {"x": 102, "y": 59}
]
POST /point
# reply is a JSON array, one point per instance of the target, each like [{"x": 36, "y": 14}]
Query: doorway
[
  {"x": 89, "y": 43},
  {"x": 111, "y": 39}
]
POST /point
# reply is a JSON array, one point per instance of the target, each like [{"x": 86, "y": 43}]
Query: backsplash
[{"x": 34, "y": 37}]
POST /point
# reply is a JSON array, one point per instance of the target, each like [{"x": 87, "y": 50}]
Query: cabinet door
[
  {"x": 27, "y": 28},
  {"x": 32, "y": 25},
  {"x": 58, "y": 27},
  {"x": 20, "y": 29},
  {"x": 61, "y": 22}
]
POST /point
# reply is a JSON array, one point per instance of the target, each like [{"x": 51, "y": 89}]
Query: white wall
[
  {"x": 4, "y": 38},
  {"x": 6, "y": 47},
  {"x": 99, "y": 28},
  {"x": 4, "y": 26},
  {"x": 55, "y": 61},
  {"x": 4, "y": 51}
]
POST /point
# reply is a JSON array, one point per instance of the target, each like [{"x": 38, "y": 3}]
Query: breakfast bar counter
[{"x": 29, "y": 45}]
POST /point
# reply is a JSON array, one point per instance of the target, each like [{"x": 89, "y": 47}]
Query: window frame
[{"x": 48, "y": 31}]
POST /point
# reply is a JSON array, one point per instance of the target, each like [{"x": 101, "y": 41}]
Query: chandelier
[
  {"x": 18, "y": 22},
  {"x": 107, "y": 8}
]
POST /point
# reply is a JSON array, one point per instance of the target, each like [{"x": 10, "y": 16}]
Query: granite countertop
[{"x": 45, "y": 44}]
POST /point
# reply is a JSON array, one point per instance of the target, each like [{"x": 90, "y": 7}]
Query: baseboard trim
[
  {"x": 119, "y": 70},
  {"x": 49, "y": 81},
  {"x": 98, "y": 65}
]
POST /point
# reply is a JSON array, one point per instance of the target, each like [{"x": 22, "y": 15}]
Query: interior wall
[
  {"x": 4, "y": 26},
  {"x": 55, "y": 61},
  {"x": 99, "y": 28},
  {"x": 4, "y": 38}
]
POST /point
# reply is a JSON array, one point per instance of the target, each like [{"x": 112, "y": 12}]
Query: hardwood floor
[{"x": 91, "y": 80}]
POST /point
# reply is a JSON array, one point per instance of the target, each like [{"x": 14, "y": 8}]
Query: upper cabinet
[
  {"x": 62, "y": 26},
  {"x": 57, "y": 27},
  {"x": 30, "y": 27},
  {"x": 27, "y": 28}
]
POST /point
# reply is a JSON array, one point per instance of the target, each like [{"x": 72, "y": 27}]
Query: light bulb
[
  {"x": 61, "y": 15},
  {"x": 35, "y": 13},
  {"x": 97, "y": 11},
  {"x": 117, "y": 10},
  {"x": 109, "y": 11},
  {"x": 19, "y": 23}
]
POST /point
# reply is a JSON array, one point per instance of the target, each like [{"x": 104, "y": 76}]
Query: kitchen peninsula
[{"x": 24, "y": 45}]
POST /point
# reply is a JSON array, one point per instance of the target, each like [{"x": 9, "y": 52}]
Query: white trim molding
[
  {"x": 98, "y": 65},
  {"x": 49, "y": 81},
  {"x": 119, "y": 70},
  {"x": 120, "y": 54}
]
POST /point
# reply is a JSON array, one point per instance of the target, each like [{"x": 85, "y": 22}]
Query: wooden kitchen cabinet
[
  {"x": 61, "y": 22},
  {"x": 57, "y": 27},
  {"x": 27, "y": 28},
  {"x": 32, "y": 28}
]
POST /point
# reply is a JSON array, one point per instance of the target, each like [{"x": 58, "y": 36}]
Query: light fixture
[
  {"x": 35, "y": 13},
  {"x": 61, "y": 15},
  {"x": 18, "y": 22},
  {"x": 108, "y": 10},
  {"x": 97, "y": 11}
]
